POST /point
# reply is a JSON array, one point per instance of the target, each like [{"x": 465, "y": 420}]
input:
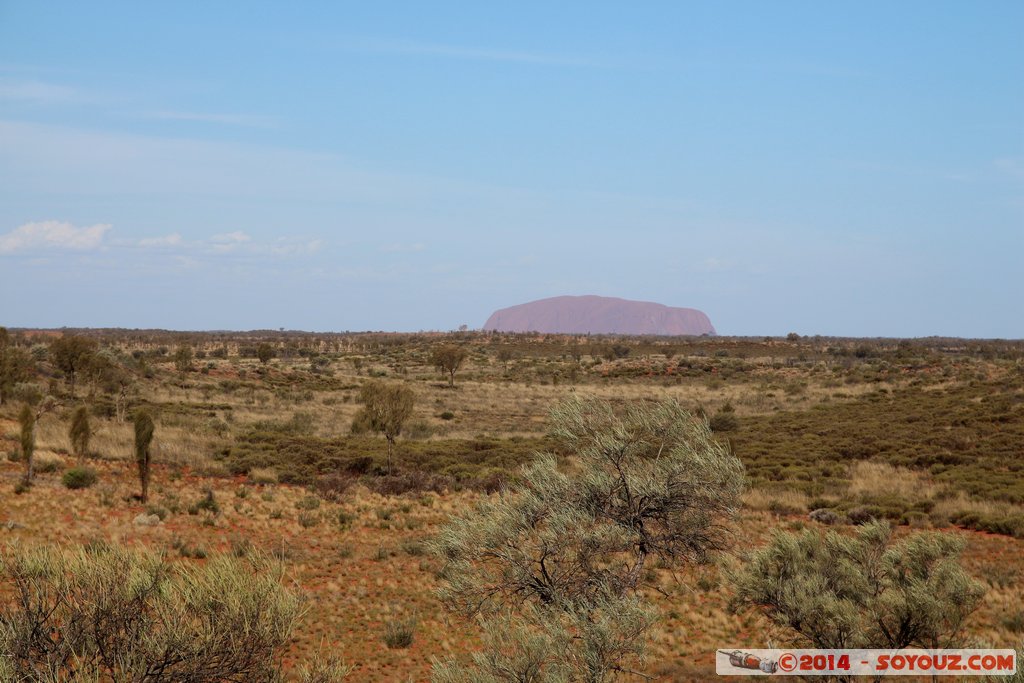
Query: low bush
[
  {"x": 1009, "y": 525},
  {"x": 333, "y": 486},
  {"x": 44, "y": 463},
  {"x": 824, "y": 516},
  {"x": 407, "y": 482},
  {"x": 308, "y": 503},
  {"x": 207, "y": 503},
  {"x": 308, "y": 520},
  {"x": 399, "y": 633},
  {"x": 862, "y": 514},
  {"x": 79, "y": 478}
]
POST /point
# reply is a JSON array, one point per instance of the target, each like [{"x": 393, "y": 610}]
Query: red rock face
[{"x": 599, "y": 315}]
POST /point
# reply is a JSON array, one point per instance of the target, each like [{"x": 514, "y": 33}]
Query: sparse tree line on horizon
[
  {"x": 554, "y": 569},
  {"x": 386, "y": 407}
]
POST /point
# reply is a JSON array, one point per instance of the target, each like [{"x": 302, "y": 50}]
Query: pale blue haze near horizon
[{"x": 836, "y": 168}]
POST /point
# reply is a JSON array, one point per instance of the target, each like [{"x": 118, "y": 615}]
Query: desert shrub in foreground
[
  {"x": 79, "y": 478},
  {"x": 861, "y": 591},
  {"x": 551, "y": 567},
  {"x": 110, "y": 613}
]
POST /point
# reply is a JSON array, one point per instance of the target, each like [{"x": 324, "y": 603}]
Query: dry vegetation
[{"x": 255, "y": 453}]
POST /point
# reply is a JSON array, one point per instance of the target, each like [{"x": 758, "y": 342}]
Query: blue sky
[{"x": 841, "y": 168}]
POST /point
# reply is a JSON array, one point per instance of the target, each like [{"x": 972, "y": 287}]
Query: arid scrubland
[{"x": 254, "y": 453}]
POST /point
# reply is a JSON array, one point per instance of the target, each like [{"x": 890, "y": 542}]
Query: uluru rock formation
[{"x": 599, "y": 315}]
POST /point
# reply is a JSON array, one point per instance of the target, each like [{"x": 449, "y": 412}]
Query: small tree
[
  {"x": 861, "y": 591},
  {"x": 552, "y": 568},
  {"x": 80, "y": 432},
  {"x": 386, "y": 407},
  {"x": 143, "y": 439},
  {"x": 448, "y": 358},
  {"x": 27, "y": 421},
  {"x": 265, "y": 351},
  {"x": 504, "y": 355},
  {"x": 183, "y": 359},
  {"x": 15, "y": 365},
  {"x": 72, "y": 354}
]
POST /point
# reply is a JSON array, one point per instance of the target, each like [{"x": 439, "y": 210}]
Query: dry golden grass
[{"x": 879, "y": 478}]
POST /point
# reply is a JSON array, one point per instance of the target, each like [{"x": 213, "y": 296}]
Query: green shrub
[
  {"x": 554, "y": 564},
  {"x": 345, "y": 519},
  {"x": 79, "y": 478},
  {"x": 723, "y": 422},
  {"x": 866, "y": 591}
]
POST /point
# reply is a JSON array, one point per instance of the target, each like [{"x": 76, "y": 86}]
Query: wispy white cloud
[
  {"x": 290, "y": 247},
  {"x": 172, "y": 240},
  {"x": 249, "y": 120},
  {"x": 36, "y": 92},
  {"x": 229, "y": 241},
  {"x": 235, "y": 242},
  {"x": 53, "y": 235},
  {"x": 236, "y": 237},
  {"x": 59, "y": 235}
]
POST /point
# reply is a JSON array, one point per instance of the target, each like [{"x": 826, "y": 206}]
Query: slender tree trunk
[
  {"x": 391, "y": 445},
  {"x": 144, "y": 480},
  {"x": 451, "y": 378}
]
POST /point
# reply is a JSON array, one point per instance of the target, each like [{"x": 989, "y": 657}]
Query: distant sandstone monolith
[{"x": 599, "y": 315}]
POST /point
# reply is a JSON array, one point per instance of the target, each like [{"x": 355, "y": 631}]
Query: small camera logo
[{"x": 745, "y": 660}]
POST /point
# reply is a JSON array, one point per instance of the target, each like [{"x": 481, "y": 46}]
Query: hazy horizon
[{"x": 838, "y": 169}]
